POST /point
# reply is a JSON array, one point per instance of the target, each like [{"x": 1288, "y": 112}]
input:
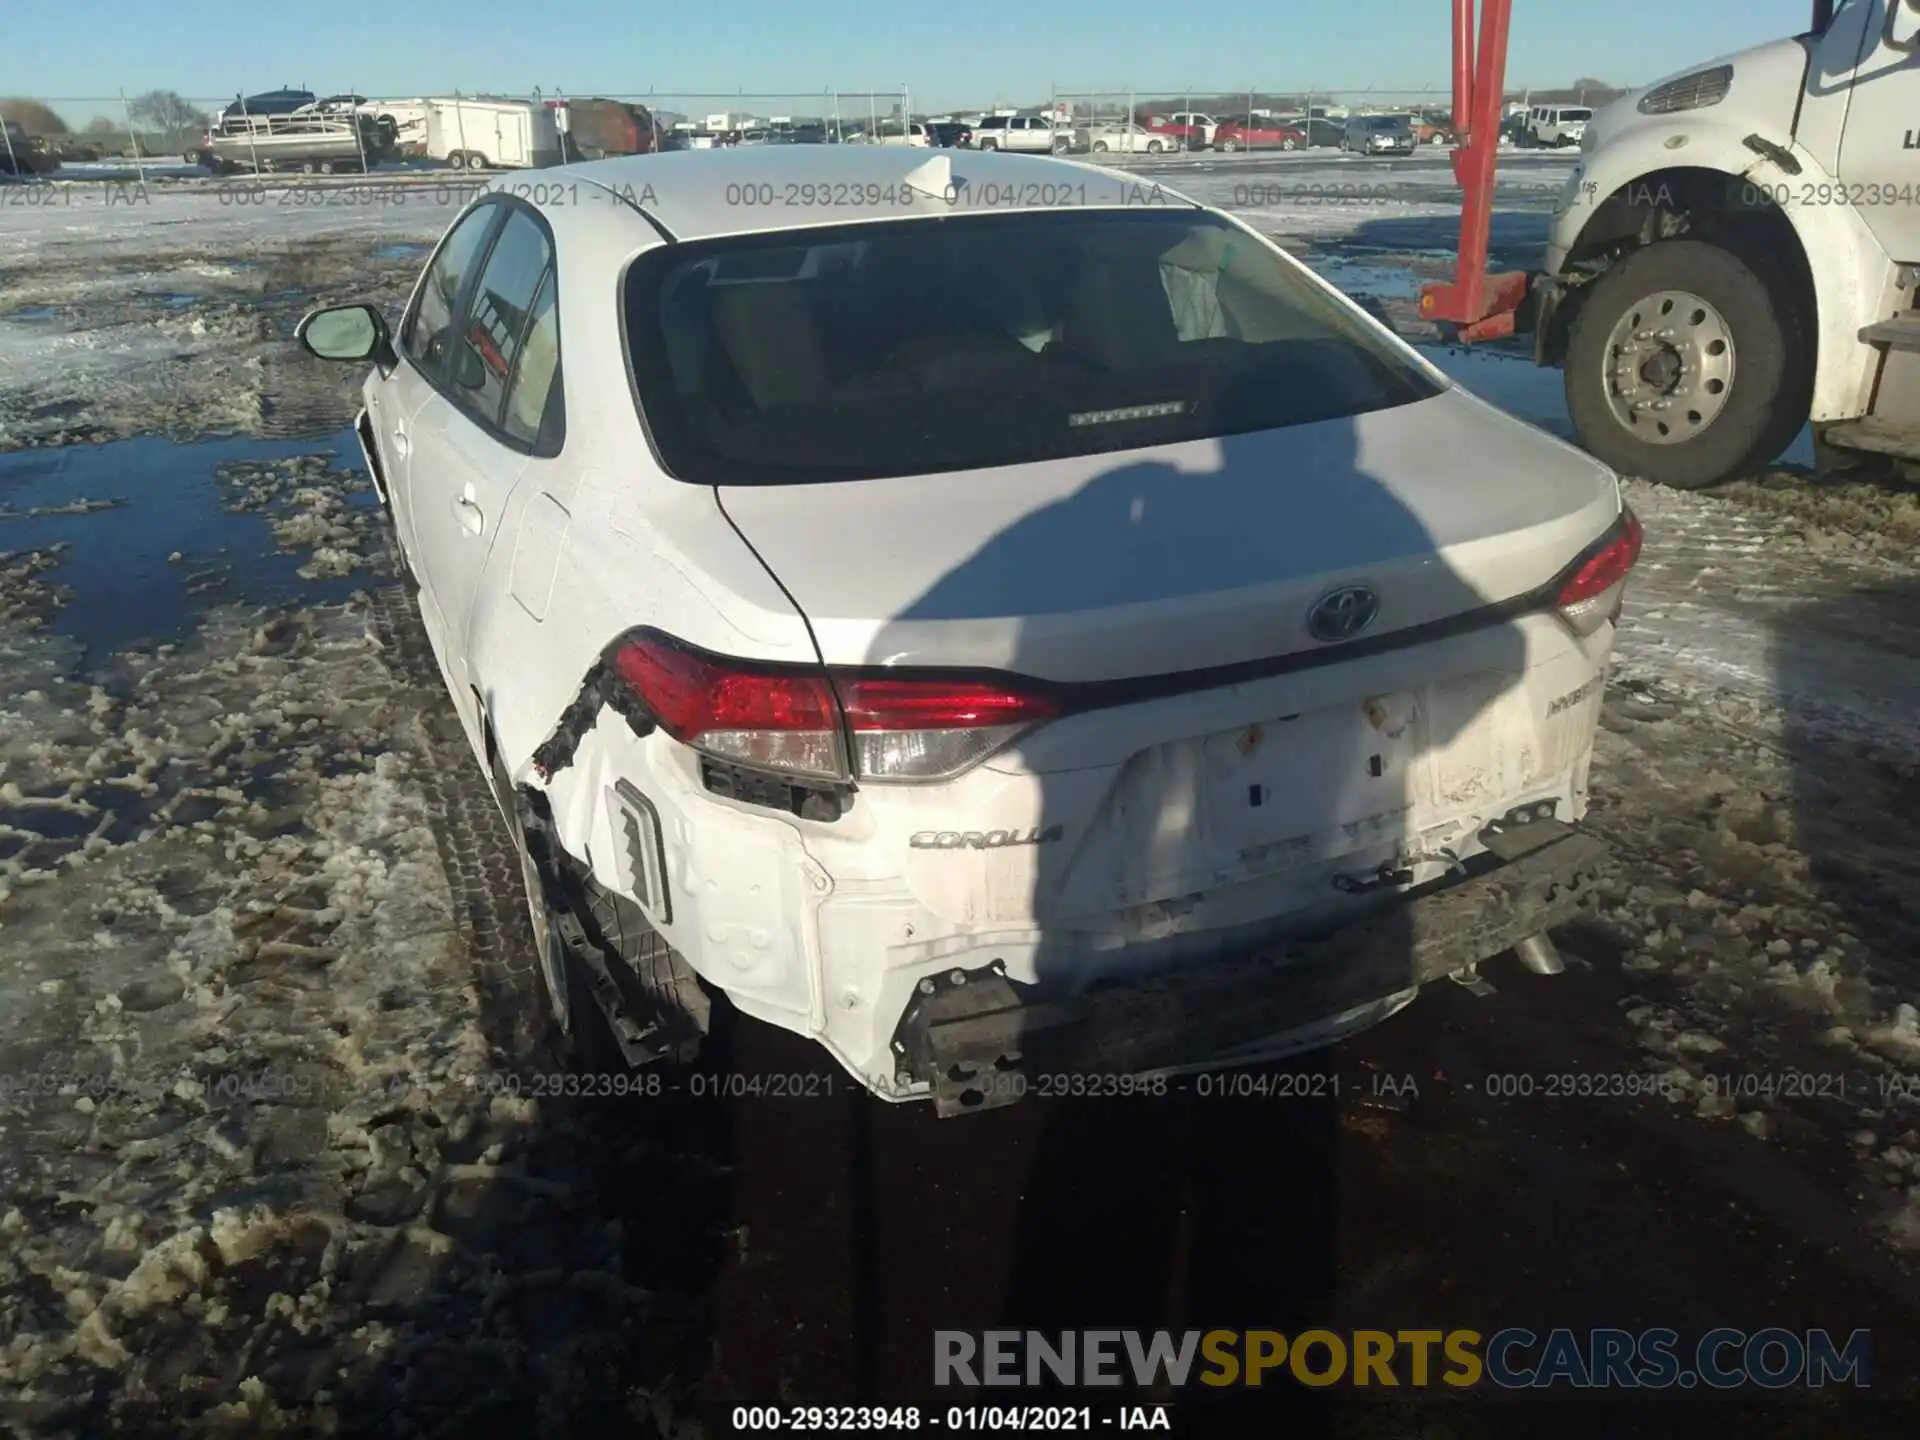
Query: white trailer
[{"x": 492, "y": 134}]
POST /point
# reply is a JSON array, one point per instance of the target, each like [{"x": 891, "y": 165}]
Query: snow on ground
[
  {"x": 261, "y": 1169},
  {"x": 260, "y": 947}
]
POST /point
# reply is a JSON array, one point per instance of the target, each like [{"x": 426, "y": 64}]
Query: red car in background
[
  {"x": 1187, "y": 130},
  {"x": 1255, "y": 132}
]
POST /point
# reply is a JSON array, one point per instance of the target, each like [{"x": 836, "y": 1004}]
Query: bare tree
[
  {"x": 167, "y": 111},
  {"x": 100, "y": 125}
]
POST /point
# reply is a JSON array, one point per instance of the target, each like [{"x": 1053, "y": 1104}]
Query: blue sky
[{"x": 1010, "y": 51}]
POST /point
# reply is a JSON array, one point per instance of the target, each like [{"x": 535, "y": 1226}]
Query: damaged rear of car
[{"x": 1120, "y": 656}]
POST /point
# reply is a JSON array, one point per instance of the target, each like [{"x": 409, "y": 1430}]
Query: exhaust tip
[{"x": 1536, "y": 952}]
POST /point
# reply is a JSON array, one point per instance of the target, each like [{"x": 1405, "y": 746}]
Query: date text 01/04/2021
[{"x": 912, "y": 1419}]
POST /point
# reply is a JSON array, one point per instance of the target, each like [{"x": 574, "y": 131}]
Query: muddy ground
[{"x": 272, "y": 1158}]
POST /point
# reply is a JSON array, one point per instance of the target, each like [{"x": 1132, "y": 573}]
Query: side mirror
[{"x": 346, "y": 332}]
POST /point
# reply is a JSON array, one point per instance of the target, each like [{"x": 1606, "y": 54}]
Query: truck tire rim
[{"x": 1670, "y": 367}]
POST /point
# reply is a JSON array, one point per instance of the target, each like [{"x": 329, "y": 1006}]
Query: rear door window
[{"x": 500, "y": 317}]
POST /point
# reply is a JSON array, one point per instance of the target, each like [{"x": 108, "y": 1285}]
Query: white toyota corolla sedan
[{"x": 1010, "y": 624}]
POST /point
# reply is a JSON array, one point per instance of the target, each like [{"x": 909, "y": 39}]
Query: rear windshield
[{"x": 919, "y": 346}]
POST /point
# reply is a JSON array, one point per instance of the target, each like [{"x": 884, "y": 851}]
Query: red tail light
[
  {"x": 791, "y": 719},
  {"x": 1592, "y": 597}
]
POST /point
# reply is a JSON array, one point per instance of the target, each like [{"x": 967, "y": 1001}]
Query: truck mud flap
[{"x": 970, "y": 1033}]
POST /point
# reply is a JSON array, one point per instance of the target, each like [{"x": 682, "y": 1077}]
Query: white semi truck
[{"x": 1735, "y": 255}]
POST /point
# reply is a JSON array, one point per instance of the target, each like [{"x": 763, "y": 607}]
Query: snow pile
[
  {"x": 312, "y": 506},
  {"x": 1755, "y": 774}
]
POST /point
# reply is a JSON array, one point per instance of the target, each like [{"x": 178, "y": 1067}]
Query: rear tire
[
  {"x": 1769, "y": 396},
  {"x": 646, "y": 963},
  {"x": 567, "y": 1007},
  {"x": 1227, "y": 147}
]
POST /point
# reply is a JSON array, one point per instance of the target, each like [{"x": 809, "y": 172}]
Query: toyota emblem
[{"x": 1342, "y": 614}]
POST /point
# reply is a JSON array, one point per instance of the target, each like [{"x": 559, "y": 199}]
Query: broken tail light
[
  {"x": 796, "y": 720},
  {"x": 1593, "y": 596}
]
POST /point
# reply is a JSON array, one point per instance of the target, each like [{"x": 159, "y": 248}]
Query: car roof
[{"x": 703, "y": 194}]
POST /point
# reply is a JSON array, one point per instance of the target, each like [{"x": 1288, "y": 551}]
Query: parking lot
[{"x": 279, "y": 1153}]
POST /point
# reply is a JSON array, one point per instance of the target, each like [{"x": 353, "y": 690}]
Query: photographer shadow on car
[{"x": 1218, "y": 781}]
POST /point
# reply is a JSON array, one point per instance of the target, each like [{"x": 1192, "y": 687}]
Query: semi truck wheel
[{"x": 1684, "y": 366}]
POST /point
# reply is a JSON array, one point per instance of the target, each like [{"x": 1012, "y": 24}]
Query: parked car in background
[
  {"x": 1380, "y": 135},
  {"x": 1322, "y": 132},
  {"x": 951, "y": 134},
  {"x": 1432, "y": 130},
  {"x": 1190, "y": 129},
  {"x": 1253, "y": 132},
  {"x": 1023, "y": 134},
  {"x": 1556, "y": 126},
  {"x": 891, "y": 132},
  {"x": 1124, "y": 137},
  {"x": 754, "y": 627}
]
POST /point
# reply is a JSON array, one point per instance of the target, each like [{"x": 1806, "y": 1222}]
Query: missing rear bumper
[{"x": 968, "y": 1031}]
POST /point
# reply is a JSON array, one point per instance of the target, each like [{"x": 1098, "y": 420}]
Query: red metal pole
[
  {"x": 1476, "y": 225},
  {"x": 1483, "y": 310},
  {"x": 1462, "y": 65}
]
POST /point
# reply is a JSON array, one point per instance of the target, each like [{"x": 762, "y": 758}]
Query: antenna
[{"x": 934, "y": 178}]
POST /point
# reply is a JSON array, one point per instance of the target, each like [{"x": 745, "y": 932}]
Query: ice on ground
[{"x": 263, "y": 1163}]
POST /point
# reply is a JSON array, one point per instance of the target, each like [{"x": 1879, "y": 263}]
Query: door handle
[
  {"x": 400, "y": 442},
  {"x": 471, "y": 518}
]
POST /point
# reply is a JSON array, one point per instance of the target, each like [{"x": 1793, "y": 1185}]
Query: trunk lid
[{"x": 1183, "y": 557}]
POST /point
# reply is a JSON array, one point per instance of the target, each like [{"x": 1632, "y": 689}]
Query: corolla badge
[{"x": 1343, "y": 613}]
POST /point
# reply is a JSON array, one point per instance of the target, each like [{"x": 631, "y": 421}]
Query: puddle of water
[
  {"x": 1530, "y": 392},
  {"x": 125, "y": 589},
  {"x": 402, "y": 250},
  {"x": 39, "y": 313},
  {"x": 1385, "y": 282}
]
